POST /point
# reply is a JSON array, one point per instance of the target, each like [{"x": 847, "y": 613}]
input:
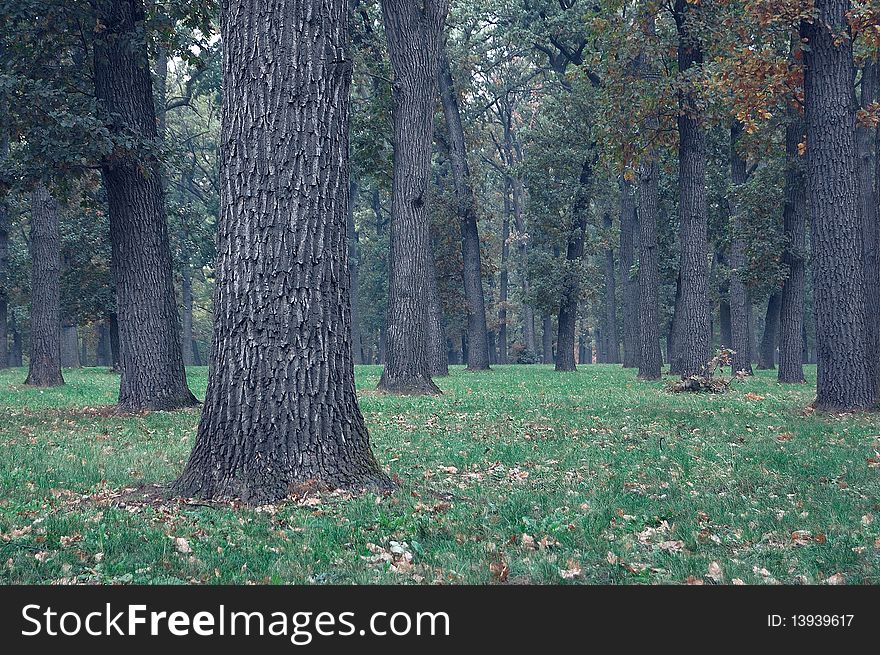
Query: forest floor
[{"x": 520, "y": 475}]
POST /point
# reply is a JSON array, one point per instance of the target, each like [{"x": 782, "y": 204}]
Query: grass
[{"x": 519, "y": 475}]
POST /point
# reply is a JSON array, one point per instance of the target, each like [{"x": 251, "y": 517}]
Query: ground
[{"x": 518, "y": 475}]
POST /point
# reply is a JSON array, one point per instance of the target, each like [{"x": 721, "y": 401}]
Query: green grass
[{"x": 611, "y": 477}]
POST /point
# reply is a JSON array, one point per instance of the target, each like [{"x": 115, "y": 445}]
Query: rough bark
[
  {"x": 571, "y": 288},
  {"x": 547, "y": 341},
  {"x": 794, "y": 217},
  {"x": 414, "y": 31},
  {"x": 628, "y": 234},
  {"x": 281, "y": 407},
  {"x": 153, "y": 375},
  {"x": 740, "y": 325},
  {"x": 845, "y": 379},
  {"x": 612, "y": 340},
  {"x": 767, "y": 347},
  {"x": 692, "y": 335},
  {"x": 478, "y": 353},
  {"x": 44, "y": 369},
  {"x": 650, "y": 357}
]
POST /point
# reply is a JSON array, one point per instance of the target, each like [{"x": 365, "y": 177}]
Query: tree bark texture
[
  {"x": 692, "y": 335},
  {"x": 740, "y": 325},
  {"x": 153, "y": 375},
  {"x": 650, "y": 356},
  {"x": 414, "y": 31},
  {"x": 478, "y": 353},
  {"x": 44, "y": 369},
  {"x": 547, "y": 339},
  {"x": 281, "y": 407},
  {"x": 845, "y": 379},
  {"x": 70, "y": 352},
  {"x": 629, "y": 226},
  {"x": 767, "y": 347},
  {"x": 794, "y": 219}
]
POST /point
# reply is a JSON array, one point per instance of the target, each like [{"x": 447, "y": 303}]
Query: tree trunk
[
  {"x": 547, "y": 346},
  {"x": 478, "y": 352},
  {"x": 612, "y": 348},
  {"x": 15, "y": 353},
  {"x": 868, "y": 198},
  {"x": 629, "y": 226},
  {"x": 69, "y": 347},
  {"x": 436, "y": 334},
  {"x": 281, "y": 408},
  {"x": 528, "y": 312},
  {"x": 794, "y": 217},
  {"x": 571, "y": 288},
  {"x": 675, "y": 363},
  {"x": 650, "y": 357},
  {"x": 187, "y": 331},
  {"x": 504, "y": 274},
  {"x": 353, "y": 269},
  {"x": 153, "y": 375},
  {"x": 113, "y": 330},
  {"x": 740, "y": 325},
  {"x": 414, "y": 32},
  {"x": 845, "y": 379},
  {"x": 4, "y": 246},
  {"x": 767, "y": 347},
  {"x": 692, "y": 336},
  {"x": 44, "y": 369},
  {"x": 102, "y": 354}
]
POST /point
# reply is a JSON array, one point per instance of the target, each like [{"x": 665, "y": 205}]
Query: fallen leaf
[
  {"x": 836, "y": 579},
  {"x": 801, "y": 537},
  {"x": 573, "y": 570},
  {"x": 182, "y": 545},
  {"x": 754, "y": 396},
  {"x": 500, "y": 570},
  {"x": 715, "y": 572},
  {"x": 528, "y": 542}
]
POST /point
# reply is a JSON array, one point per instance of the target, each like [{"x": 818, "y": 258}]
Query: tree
[
  {"x": 414, "y": 31},
  {"x": 44, "y": 368},
  {"x": 629, "y": 228},
  {"x": 153, "y": 375},
  {"x": 844, "y": 373},
  {"x": 612, "y": 347},
  {"x": 478, "y": 348},
  {"x": 281, "y": 406},
  {"x": 740, "y": 325},
  {"x": 691, "y": 341}
]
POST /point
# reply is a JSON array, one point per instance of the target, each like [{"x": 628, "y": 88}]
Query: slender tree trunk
[
  {"x": 740, "y": 325},
  {"x": 725, "y": 329},
  {"x": 103, "y": 350},
  {"x": 650, "y": 357},
  {"x": 187, "y": 331},
  {"x": 44, "y": 369},
  {"x": 281, "y": 407},
  {"x": 611, "y": 333},
  {"x": 436, "y": 333},
  {"x": 4, "y": 246},
  {"x": 414, "y": 32},
  {"x": 845, "y": 379},
  {"x": 629, "y": 226},
  {"x": 794, "y": 216},
  {"x": 547, "y": 346},
  {"x": 354, "y": 272},
  {"x": 571, "y": 288},
  {"x": 69, "y": 347},
  {"x": 867, "y": 207},
  {"x": 528, "y": 312},
  {"x": 767, "y": 347},
  {"x": 504, "y": 275},
  {"x": 153, "y": 375},
  {"x": 692, "y": 336},
  {"x": 113, "y": 329},
  {"x": 675, "y": 362},
  {"x": 15, "y": 353},
  {"x": 478, "y": 353}
]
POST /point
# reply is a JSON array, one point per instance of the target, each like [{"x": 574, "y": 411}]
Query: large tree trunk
[
  {"x": 571, "y": 287},
  {"x": 281, "y": 407},
  {"x": 629, "y": 226},
  {"x": 692, "y": 335},
  {"x": 478, "y": 353},
  {"x": 70, "y": 355},
  {"x": 767, "y": 347},
  {"x": 650, "y": 357},
  {"x": 547, "y": 340},
  {"x": 868, "y": 198},
  {"x": 845, "y": 379},
  {"x": 44, "y": 369},
  {"x": 740, "y": 325},
  {"x": 612, "y": 348},
  {"x": 675, "y": 363},
  {"x": 436, "y": 334},
  {"x": 353, "y": 269},
  {"x": 414, "y": 31},
  {"x": 153, "y": 375},
  {"x": 794, "y": 217}
]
